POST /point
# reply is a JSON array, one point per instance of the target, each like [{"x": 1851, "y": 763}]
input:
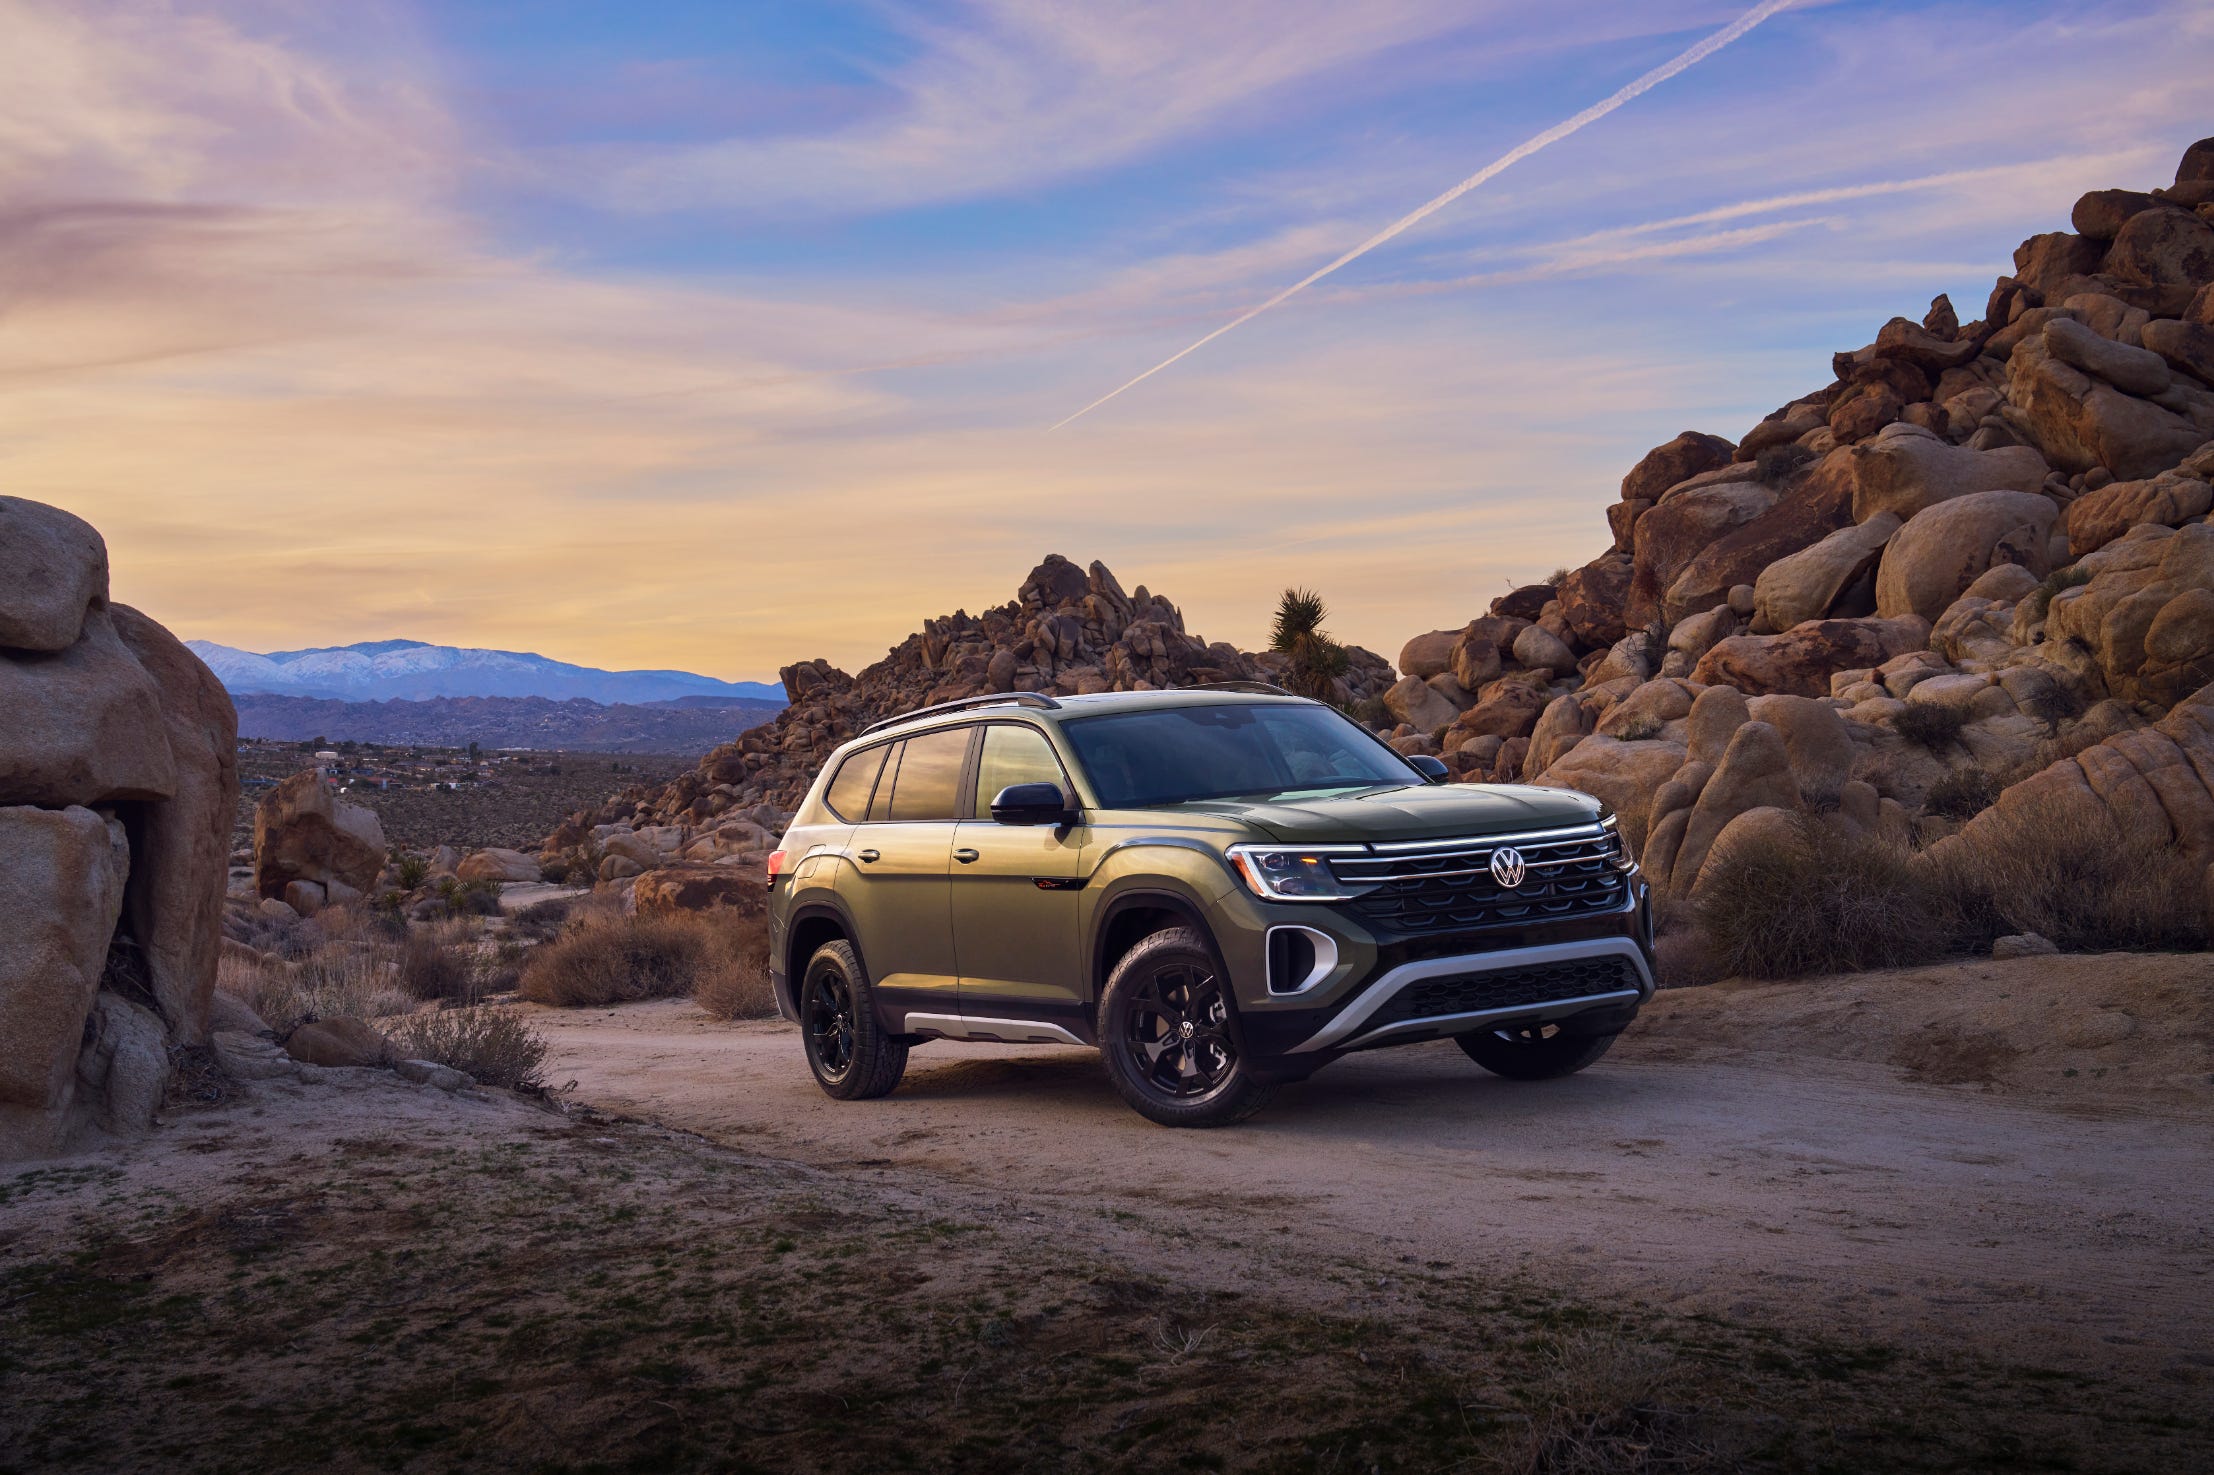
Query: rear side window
[
  {"x": 1014, "y": 755},
  {"x": 928, "y": 785},
  {"x": 848, "y": 794}
]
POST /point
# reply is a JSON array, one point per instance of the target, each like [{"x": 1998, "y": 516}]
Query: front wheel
[
  {"x": 1533, "y": 1052},
  {"x": 852, "y": 1057},
  {"x": 1168, "y": 1039}
]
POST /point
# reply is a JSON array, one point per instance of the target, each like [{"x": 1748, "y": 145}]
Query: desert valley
[{"x": 392, "y": 1076}]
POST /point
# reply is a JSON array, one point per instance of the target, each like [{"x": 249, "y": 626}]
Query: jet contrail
[{"x": 1515, "y": 155}]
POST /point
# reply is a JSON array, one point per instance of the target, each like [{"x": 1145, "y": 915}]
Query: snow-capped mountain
[{"x": 380, "y": 670}]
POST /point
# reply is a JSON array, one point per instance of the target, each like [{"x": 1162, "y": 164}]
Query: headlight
[
  {"x": 1609, "y": 822},
  {"x": 1293, "y": 872}
]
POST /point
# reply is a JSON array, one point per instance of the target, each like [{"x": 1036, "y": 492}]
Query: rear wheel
[
  {"x": 1533, "y": 1052},
  {"x": 1168, "y": 1039},
  {"x": 852, "y": 1057}
]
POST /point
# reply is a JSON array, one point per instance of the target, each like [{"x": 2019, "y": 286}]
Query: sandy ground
[{"x": 2008, "y": 1159}]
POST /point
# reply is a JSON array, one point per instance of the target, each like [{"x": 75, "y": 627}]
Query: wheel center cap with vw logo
[
  {"x": 1506, "y": 866},
  {"x": 1185, "y": 1029}
]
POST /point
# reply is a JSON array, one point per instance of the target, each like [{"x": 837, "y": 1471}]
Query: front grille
[
  {"x": 1449, "y": 885},
  {"x": 1509, "y": 988}
]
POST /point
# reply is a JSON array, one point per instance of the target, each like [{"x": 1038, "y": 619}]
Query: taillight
[{"x": 776, "y": 864}]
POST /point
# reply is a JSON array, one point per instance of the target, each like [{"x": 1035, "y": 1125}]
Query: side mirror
[
  {"x": 1032, "y": 804},
  {"x": 1430, "y": 768}
]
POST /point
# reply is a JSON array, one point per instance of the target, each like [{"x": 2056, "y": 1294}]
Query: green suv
[{"x": 1221, "y": 889}]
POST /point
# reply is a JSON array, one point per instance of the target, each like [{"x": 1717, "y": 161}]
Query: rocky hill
[
  {"x": 576, "y": 725},
  {"x": 1068, "y": 630},
  {"x": 1959, "y": 598}
]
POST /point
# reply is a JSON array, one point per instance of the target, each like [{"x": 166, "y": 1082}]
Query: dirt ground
[
  {"x": 1748, "y": 1239},
  {"x": 1889, "y": 1156}
]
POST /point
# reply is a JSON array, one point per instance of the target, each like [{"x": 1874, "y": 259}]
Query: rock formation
[
  {"x": 311, "y": 847},
  {"x": 1069, "y": 630},
  {"x": 118, "y": 777}
]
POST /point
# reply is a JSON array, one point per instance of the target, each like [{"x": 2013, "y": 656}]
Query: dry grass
[
  {"x": 1817, "y": 898},
  {"x": 618, "y": 960},
  {"x": 737, "y": 987},
  {"x": 1964, "y": 793},
  {"x": 492, "y": 1045},
  {"x": 2088, "y": 888},
  {"x": 352, "y": 962},
  {"x": 1610, "y": 1404}
]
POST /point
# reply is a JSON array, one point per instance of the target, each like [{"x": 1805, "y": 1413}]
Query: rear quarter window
[{"x": 848, "y": 794}]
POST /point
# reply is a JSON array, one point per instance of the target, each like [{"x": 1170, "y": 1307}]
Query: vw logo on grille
[{"x": 1506, "y": 866}]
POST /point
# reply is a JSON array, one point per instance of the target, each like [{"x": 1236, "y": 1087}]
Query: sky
[{"x": 716, "y": 336}]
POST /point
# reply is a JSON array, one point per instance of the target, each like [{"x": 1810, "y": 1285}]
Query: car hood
[{"x": 1415, "y": 812}]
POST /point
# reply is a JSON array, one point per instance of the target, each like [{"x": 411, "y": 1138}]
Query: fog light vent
[{"x": 1299, "y": 958}]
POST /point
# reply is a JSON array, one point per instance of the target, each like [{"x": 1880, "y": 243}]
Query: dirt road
[{"x": 1830, "y": 1195}]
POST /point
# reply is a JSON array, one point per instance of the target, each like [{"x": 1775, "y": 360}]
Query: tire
[
  {"x": 1528, "y": 1053},
  {"x": 853, "y": 1059},
  {"x": 1168, "y": 1038}
]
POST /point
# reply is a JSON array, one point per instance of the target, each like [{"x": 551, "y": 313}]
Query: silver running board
[
  {"x": 1385, "y": 989},
  {"x": 998, "y": 1031}
]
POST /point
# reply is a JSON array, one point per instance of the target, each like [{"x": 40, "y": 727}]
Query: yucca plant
[{"x": 1316, "y": 659}]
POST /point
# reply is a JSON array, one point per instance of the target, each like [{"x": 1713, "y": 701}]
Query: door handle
[
  {"x": 868, "y": 855},
  {"x": 965, "y": 855}
]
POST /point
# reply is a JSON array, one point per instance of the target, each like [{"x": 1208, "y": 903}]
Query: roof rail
[
  {"x": 1250, "y": 688},
  {"x": 994, "y": 699}
]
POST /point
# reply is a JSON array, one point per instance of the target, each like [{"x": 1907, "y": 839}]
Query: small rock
[
  {"x": 338, "y": 1042},
  {"x": 2023, "y": 945},
  {"x": 278, "y": 911},
  {"x": 431, "y": 1073}
]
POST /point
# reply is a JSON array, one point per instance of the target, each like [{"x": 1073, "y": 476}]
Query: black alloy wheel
[
  {"x": 852, "y": 1058},
  {"x": 1168, "y": 1035},
  {"x": 1534, "y": 1052}
]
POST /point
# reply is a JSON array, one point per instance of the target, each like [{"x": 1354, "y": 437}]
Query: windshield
[{"x": 1177, "y": 754}]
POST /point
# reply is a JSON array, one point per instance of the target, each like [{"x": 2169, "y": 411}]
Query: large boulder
[
  {"x": 2185, "y": 346},
  {"x": 1624, "y": 774},
  {"x": 1675, "y": 534},
  {"x": 2080, "y": 421},
  {"x": 1428, "y": 655},
  {"x": 2167, "y": 252},
  {"x": 62, "y": 878},
  {"x": 83, "y": 725},
  {"x": 1942, "y": 550},
  {"x": 2171, "y": 499},
  {"x": 53, "y": 573},
  {"x": 1595, "y": 598},
  {"x": 1415, "y": 703},
  {"x": 1800, "y": 660},
  {"x": 2115, "y": 635},
  {"x": 697, "y": 888},
  {"x": 495, "y": 863},
  {"x": 304, "y": 832},
  {"x": 181, "y": 848},
  {"x": 1906, "y": 468},
  {"x": 1806, "y": 585},
  {"x": 1678, "y": 460}
]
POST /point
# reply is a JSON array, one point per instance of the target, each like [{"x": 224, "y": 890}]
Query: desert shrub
[
  {"x": 1963, "y": 793},
  {"x": 617, "y": 961},
  {"x": 1934, "y": 725},
  {"x": 353, "y": 981},
  {"x": 554, "y": 871},
  {"x": 1637, "y": 728},
  {"x": 1778, "y": 464},
  {"x": 411, "y": 869},
  {"x": 492, "y": 1045},
  {"x": 2073, "y": 576},
  {"x": 541, "y": 921},
  {"x": 2087, "y": 887},
  {"x": 433, "y": 968},
  {"x": 736, "y": 984},
  {"x": 1557, "y": 578},
  {"x": 470, "y": 898},
  {"x": 1372, "y": 713},
  {"x": 1816, "y": 897}
]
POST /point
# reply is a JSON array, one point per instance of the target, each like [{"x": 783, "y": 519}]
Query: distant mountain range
[
  {"x": 685, "y": 725},
  {"x": 411, "y": 670}
]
